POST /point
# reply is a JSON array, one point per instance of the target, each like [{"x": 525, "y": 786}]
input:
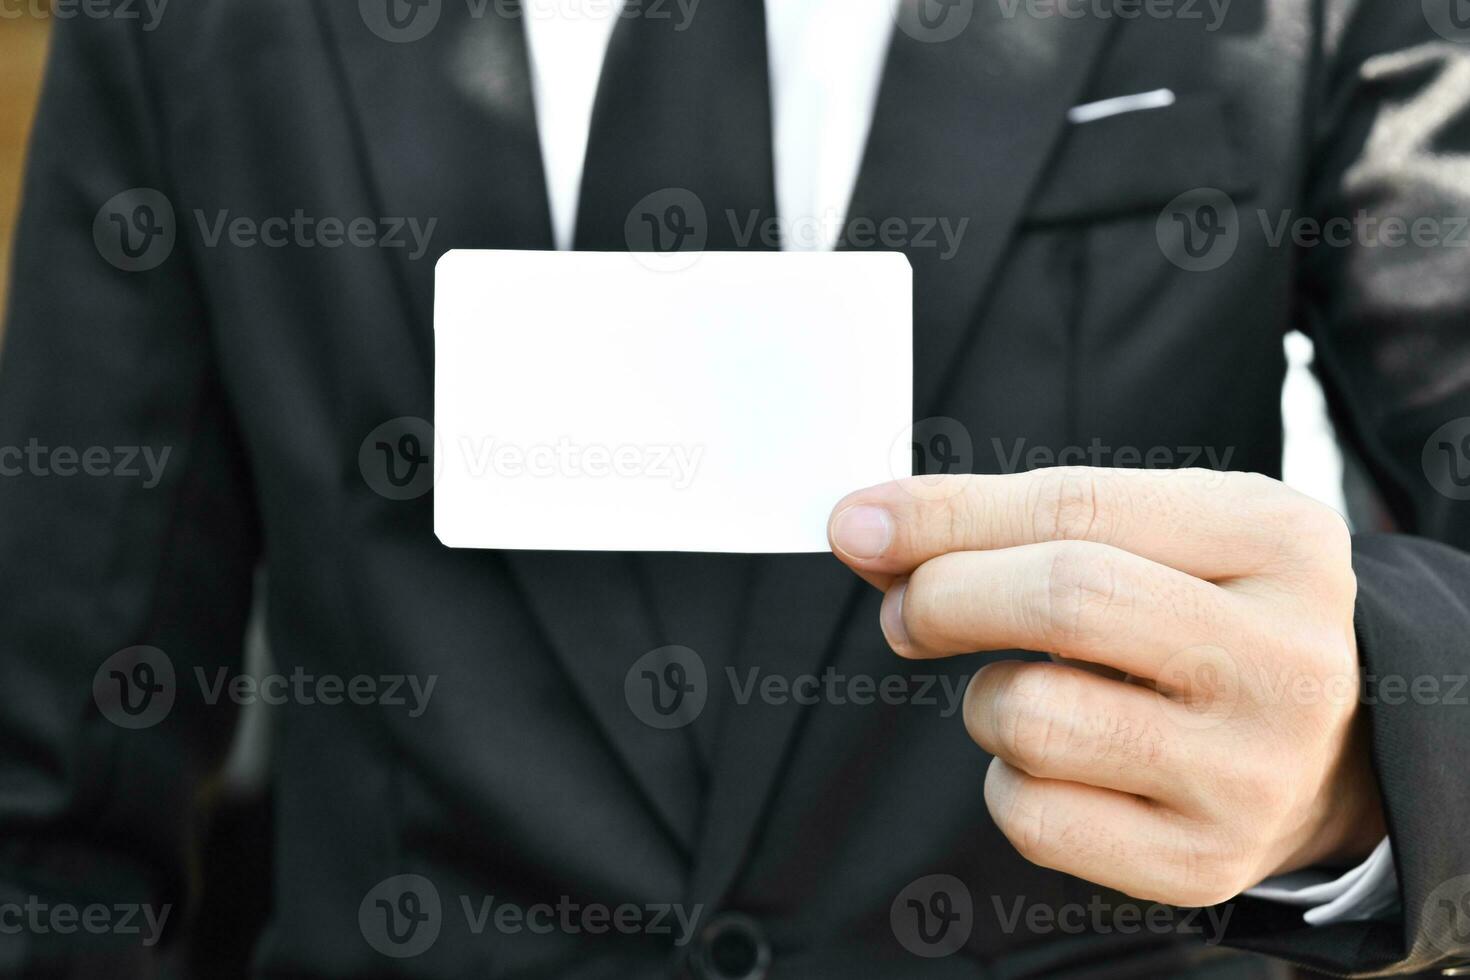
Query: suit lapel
[
  {"x": 598, "y": 623},
  {"x": 962, "y": 130},
  {"x": 447, "y": 127},
  {"x": 797, "y": 603}
]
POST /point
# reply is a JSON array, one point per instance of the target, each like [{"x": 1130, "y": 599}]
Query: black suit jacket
[{"x": 1059, "y": 321}]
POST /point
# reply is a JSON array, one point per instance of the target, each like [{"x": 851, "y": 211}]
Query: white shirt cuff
[{"x": 1369, "y": 891}]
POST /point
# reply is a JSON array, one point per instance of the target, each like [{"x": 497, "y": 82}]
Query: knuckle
[
  {"x": 1044, "y": 832},
  {"x": 1030, "y": 738},
  {"x": 1026, "y": 824},
  {"x": 1269, "y": 512},
  {"x": 1322, "y": 530},
  {"x": 1335, "y": 548},
  {"x": 1347, "y": 583},
  {"x": 1082, "y": 593},
  {"x": 1068, "y": 507},
  {"x": 1037, "y": 718},
  {"x": 1202, "y": 474},
  {"x": 932, "y": 601},
  {"x": 1209, "y": 868},
  {"x": 959, "y": 516},
  {"x": 1256, "y": 486},
  {"x": 1195, "y": 892},
  {"x": 1255, "y": 781},
  {"x": 1306, "y": 532}
]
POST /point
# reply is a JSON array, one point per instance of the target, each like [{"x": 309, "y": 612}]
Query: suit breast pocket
[{"x": 1137, "y": 162}]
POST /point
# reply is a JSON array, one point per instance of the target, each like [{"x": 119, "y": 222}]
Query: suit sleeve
[
  {"x": 1388, "y": 306},
  {"x": 127, "y": 530}
]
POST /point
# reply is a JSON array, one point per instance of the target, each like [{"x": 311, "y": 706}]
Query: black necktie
[
  {"x": 679, "y": 153},
  {"x": 679, "y": 159}
]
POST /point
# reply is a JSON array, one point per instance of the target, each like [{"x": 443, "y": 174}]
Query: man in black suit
[{"x": 472, "y": 778}]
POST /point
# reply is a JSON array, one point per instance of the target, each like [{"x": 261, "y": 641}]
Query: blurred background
[
  {"x": 233, "y": 871},
  {"x": 22, "y": 51}
]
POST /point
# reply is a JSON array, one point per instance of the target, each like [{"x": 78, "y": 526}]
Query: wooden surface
[{"x": 22, "y": 53}]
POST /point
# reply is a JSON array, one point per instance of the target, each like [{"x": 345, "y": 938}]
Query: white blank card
[{"x": 722, "y": 402}]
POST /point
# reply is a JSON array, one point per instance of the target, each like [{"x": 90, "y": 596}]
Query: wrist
[
  {"x": 1350, "y": 820},
  {"x": 1362, "y": 821}
]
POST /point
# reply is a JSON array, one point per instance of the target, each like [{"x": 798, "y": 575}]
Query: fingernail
[
  {"x": 862, "y": 531},
  {"x": 890, "y": 617}
]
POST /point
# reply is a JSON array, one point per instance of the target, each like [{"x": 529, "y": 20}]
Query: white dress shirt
[{"x": 826, "y": 61}]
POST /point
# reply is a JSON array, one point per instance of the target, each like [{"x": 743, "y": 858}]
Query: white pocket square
[{"x": 1092, "y": 111}]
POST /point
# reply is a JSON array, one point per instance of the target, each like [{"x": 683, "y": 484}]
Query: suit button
[{"x": 732, "y": 947}]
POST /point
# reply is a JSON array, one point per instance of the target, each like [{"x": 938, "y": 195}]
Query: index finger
[{"x": 1209, "y": 524}]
